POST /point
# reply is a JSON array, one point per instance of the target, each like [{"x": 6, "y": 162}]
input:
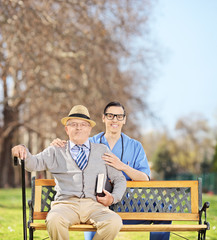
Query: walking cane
[{"x": 23, "y": 195}]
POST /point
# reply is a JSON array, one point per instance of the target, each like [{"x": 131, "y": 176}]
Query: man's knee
[
  {"x": 109, "y": 227},
  {"x": 113, "y": 222},
  {"x": 57, "y": 226},
  {"x": 54, "y": 220},
  {"x": 116, "y": 222}
]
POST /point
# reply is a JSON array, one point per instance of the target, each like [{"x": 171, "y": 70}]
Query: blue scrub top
[{"x": 133, "y": 155}]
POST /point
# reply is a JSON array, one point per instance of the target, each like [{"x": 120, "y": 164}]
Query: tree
[
  {"x": 55, "y": 54},
  {"x": 164, "y": 164},
  {"x": 188, "y": 150},
  {"x": 194, "y": 142}
]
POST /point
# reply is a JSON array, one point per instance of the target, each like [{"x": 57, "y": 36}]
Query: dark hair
[{"x": 113, "y": 104}]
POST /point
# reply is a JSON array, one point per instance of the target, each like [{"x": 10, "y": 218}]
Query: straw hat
[{"x": 79, "y": 112}]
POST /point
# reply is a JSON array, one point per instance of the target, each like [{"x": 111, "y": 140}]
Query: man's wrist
[
  {"x": 112, "y": 200},
  {"x": 125, "y": 167}
]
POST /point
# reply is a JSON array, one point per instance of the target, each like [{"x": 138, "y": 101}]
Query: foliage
[
  {"x": 11, "y": 220},
  {"x": 163, "y": 162},
  {"x": 194, "y": 140},
  {"x": 55, "y": 54},
  {"x": 189, "y": 150}
]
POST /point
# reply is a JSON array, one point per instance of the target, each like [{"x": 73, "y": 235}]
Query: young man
[{"x": 74, "y": 169}]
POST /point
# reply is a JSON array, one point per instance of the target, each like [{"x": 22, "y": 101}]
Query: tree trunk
[
  {"x": 7, "y": 176},
  {"x": 6, "y": 164}
]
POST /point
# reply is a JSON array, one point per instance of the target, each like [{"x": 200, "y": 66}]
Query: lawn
[{"x": 11, "y": 220}]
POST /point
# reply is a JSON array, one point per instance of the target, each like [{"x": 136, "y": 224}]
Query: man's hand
[
  {"x": 107, "y": 200},
  {"x": 113, "y": 161},
  {"x": 58, "y": 142},
  {"x": 19, "y": 151}
]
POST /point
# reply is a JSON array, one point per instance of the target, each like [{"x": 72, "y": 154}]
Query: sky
[{"x": 186, "y": 83}]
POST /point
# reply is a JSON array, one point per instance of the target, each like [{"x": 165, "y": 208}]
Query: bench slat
[
  {"x": 161, "y": 216},
  {"x": 195, "y": 198},
  {"x": 183, "y": 183},
  {"x": 45, "y": 182},
  {"x": 132, "y": 228},
  {"x": 163, "y": 184},
  {"x": 142, "y": 216},
  {"x": 37, "y": 207}
]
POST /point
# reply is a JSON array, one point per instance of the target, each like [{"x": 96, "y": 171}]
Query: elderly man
[{"x": 75, "y": 168}]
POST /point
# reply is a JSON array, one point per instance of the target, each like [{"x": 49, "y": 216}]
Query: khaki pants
[{"x": 75, "y": 211}]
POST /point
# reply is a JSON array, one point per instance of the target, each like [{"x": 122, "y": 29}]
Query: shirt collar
[{"x": 86, "y": 144}]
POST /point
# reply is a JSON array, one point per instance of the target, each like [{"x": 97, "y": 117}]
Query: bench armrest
[{"x": 203, "y": 209}]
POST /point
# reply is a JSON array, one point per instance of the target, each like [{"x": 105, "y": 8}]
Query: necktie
[{"x": 81, "y": 159}]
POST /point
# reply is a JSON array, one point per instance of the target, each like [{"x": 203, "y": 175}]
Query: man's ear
[
  {"x": 66, "y": 129},
  {"x": 125, "y": 119}
]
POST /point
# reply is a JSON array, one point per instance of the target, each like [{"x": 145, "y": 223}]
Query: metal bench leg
[
  {"x": 202, "y": 235},
  {"x": 31, "y": 232}
]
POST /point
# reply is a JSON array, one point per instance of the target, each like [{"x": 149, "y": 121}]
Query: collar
[{"x": 86, "y": 144}]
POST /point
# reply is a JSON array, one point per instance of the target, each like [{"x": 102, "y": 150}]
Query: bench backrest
[{"x": 153, "y": 200}]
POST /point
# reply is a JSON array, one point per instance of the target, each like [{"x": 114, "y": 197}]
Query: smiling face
[
  {"x": 113, "y": 125},
  {"x": 78, "y": 130}
]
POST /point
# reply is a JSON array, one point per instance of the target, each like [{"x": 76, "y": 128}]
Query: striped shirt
[{"x": 74, "y": 149}]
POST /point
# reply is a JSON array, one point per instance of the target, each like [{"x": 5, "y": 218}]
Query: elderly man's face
[{"x": 78, "y": 130}]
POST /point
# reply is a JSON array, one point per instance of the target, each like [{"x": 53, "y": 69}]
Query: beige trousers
[{"x": 75, "y": 211}]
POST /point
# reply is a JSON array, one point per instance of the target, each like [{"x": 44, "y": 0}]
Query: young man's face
[
  {"x": 78, "y": 130},
  {"x": 114, "y": 125}
]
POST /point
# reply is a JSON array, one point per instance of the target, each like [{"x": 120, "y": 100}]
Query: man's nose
[{"x": 115, "y": 118}]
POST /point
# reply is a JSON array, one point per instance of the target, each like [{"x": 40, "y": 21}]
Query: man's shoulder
[
  {"x": 98, "y": 145},
  {"x": 54, "y": 149}
]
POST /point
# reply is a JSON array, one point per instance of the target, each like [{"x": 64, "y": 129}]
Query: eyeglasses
[
  {"x": 75, "y": 125},
  {"x": 111, "y": 116}
]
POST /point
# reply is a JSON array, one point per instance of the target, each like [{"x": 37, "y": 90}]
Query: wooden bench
[{"x": 153, "y": 200}]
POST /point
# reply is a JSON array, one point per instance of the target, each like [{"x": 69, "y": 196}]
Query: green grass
[{"x": 11, "y": 220}]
